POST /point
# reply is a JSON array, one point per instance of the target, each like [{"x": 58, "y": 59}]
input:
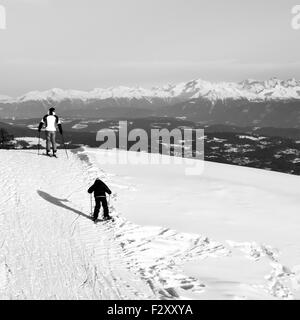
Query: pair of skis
[
  {"x": 111, "y": 219},
  {"x": 63, "y": 140},
  {"x": 51, "y": 156},
  {"x": 104, "y": 219}
]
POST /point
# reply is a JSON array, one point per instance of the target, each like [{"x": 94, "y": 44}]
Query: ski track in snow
[
  {"x": 50, "y": 249},
  {"x": 156, "y": 254},
  {"x": 160, "y": 254},
  {"x": 47, "y": 249}
]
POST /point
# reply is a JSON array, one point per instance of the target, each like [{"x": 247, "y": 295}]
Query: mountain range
[{"x": 271, "y": 102}]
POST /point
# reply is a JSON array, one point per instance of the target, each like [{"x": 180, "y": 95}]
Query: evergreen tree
[{"x": 5, "y": 139}]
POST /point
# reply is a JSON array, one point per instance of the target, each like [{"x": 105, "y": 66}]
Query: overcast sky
[{"x": 83, "y": 44}]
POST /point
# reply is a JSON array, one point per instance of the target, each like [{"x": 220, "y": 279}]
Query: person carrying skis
[
  {"x": 50, "y": 121},
  {"x": 100, "y": 189}
]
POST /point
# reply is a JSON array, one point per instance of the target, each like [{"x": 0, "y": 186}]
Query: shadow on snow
[{"x": 60, "y": 203}]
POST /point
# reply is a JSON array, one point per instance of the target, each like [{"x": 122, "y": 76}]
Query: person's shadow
[{"x": 60, "y": 203}]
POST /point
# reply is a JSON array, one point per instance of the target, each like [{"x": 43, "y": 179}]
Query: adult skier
[
  {"x": 100, "y": 189},
  {"x": 50, "y": 121}
]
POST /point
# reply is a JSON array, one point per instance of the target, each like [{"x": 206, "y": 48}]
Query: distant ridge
[
  {"x": 248, "y": 89},
  {"x": 269, "y": 103}
]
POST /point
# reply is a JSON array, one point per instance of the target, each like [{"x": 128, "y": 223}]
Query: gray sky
[{"x": 83, "y": 44}]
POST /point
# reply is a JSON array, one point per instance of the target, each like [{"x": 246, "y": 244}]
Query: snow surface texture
[
  {"x": 50, "y": 249},
  {"x": 252, "y": 215},
  {"x": 248, "y": 89}
]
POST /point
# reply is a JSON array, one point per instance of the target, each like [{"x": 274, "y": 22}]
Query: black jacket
[{"x": 99, "y": 188}]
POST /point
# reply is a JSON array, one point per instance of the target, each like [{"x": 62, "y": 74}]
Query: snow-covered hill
[
  {"x": 249, "y": 217},
  {"x": 248, "y": 89},
  {"x": 49, "y": 248},
  {"x": 160, "y": 245}
]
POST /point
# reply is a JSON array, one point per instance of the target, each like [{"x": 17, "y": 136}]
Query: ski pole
[
  {"x": 39, "y": 143},
  {"x": 91, "y": 205},
  {"x": 64, "y": 145}
]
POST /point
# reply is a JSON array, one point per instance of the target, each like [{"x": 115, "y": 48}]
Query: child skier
[{"x": 100, "y": 189}]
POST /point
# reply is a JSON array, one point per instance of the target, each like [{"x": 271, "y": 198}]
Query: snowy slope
[
  {"x": 252, "y": 215},
  {"x": 49, "y": 249},
  {"x": 272, "y": 89},
  {"x": 230, "y": 233}
]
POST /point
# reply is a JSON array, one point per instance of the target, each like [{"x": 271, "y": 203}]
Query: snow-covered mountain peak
[
  {"x": 54, "y": 94},
  {"x": 4, "y": 98},
  {"x": 249, "y": 89},
  {"x": 292, "y": 82}
]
